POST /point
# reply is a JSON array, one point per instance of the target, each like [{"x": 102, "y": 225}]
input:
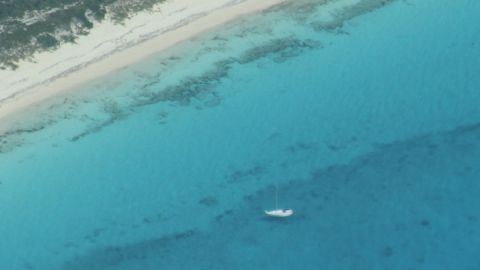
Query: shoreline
[{"x": 64, "y": 71}]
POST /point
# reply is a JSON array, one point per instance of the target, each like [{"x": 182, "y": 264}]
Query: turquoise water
[{"x": 371, "y": 131}]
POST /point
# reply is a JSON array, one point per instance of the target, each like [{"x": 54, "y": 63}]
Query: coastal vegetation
[{"x": 28, "y": 26}]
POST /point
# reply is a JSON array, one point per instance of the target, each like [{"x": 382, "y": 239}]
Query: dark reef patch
[
  {"x": 202, "y": 86},
  {"x": 241, "y": 175},
  {"x": 92, "y": 237},
  {"x": 208, "y": 201},
  {"x": 153, "y": 219},
  {"x": 278, "y": 50},
  {"x": 225, "y": 213},
  {"x": 187, "y": 90},
  {"x": 302, "y": 147},
  {"x": 425, "y": 222},
  {"x": 348, "y": 13},
  {"x": 115, "y": 113},
  {"x": 12, "y": 139},
  {"x": 387, "y": 252},
  {"x": 161, "y": 117},
  {"x": 116, "y": 256}
]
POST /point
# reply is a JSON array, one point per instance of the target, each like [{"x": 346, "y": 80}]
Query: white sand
[{"x": 110, "y": 47}]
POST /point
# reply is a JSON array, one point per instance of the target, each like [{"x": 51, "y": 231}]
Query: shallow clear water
[{"x": 372, "y": 134}]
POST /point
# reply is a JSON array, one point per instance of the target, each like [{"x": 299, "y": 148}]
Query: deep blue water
[{"x": 371, "y": 131}]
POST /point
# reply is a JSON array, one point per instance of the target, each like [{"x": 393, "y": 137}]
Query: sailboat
[{"x": 278, "y": 212}]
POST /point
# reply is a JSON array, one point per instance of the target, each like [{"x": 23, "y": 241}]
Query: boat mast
[{"x": 276, "y": 195}]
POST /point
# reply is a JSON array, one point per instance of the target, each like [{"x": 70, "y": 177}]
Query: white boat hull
[{"x": 279, "y": 213}]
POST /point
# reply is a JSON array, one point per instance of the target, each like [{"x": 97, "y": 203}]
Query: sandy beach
[{"x": 110, "y": 47}]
